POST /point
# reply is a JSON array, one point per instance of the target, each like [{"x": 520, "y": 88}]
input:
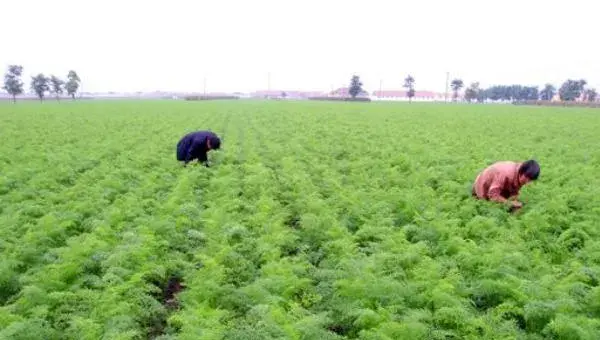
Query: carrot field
[{"x": 317, "y": 220}]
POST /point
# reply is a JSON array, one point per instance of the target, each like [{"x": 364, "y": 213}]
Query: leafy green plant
[{"x": 318, "y": 220}]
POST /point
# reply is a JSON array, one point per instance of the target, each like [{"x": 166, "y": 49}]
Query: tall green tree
[
  {"x": 516, "y": 92},
  {"x": 409, "y": 83},
  {"x": 513, "y": 92},
  {"x": 40, "y": 85},
  {"x": 571, "y": 89},
  {"x": 527, "y": 93},
  {"x": 12, "y": 81},
  {"x": 548, "y": 92},
  {"x": 582, "y": 84},
  {"x": 456, "y": 85},
  {"x": 591, "y": 95},
  {"x": 495, "y": 92},
  {"x": 355, "y": 86},
  {"x": 534, "y": 93},
  {"x": 72, "y": 84},
  {"x": 56, "y": 86},
  {"x": 472, "y": 92}
]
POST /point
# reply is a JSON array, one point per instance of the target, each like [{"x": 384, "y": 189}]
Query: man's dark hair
[
  {"x": 531, "y": 169},
  {"x": 215, "y": 142}
]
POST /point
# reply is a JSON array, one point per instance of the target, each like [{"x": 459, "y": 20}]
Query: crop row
[
  {"x": 312, "y": 223},
  {"x": 89, "y": 252}
]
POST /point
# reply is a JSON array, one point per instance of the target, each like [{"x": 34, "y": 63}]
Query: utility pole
[{"x": 447, "y": 80}]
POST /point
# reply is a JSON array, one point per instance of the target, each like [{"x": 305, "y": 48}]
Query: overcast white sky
[{"x": 131, "y": 45}]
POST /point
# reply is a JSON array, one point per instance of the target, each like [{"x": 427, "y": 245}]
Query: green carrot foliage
[{"x": 317, "y": 220}]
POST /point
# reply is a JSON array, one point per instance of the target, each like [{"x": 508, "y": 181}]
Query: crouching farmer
[
  {"x": 196, "y": 145},
  {"x": 502, "y": 181}
]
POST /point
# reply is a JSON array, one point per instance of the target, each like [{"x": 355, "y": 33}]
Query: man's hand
[{"x": 515, "y": 205}]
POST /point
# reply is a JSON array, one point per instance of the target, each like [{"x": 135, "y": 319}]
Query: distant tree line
[
  {"x": 570, "y": 90},
  {"x": 40, "y": 84}
]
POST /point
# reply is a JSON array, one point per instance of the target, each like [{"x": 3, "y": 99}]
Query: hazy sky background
[{"x": 309, "y": 45}]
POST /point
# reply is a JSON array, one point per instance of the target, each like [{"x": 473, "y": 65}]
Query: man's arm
[
  {"x": 494, "y": 193},
  {"x": 191, "y": 151},
  {"x": 495, "y": 189},
  {"x": 203, "y": 157}
]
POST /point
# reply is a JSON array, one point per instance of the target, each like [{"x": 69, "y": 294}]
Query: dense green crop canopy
[{"x": 317, "y": 220}]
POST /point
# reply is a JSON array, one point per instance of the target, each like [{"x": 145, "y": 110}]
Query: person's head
[
  {"x": 529, "y": 171},
  {"x": 213, "y": 143}
]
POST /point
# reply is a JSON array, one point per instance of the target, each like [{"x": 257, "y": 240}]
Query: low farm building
[{"x": 401, "y": 95}]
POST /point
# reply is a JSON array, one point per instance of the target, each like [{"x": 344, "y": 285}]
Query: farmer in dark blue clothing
[{"x": 195, "y": 145}]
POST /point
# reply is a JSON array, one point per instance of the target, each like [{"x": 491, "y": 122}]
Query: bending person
[
  {"x": 195, "y": 145},
  {"x": 502, "y": 181}
]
